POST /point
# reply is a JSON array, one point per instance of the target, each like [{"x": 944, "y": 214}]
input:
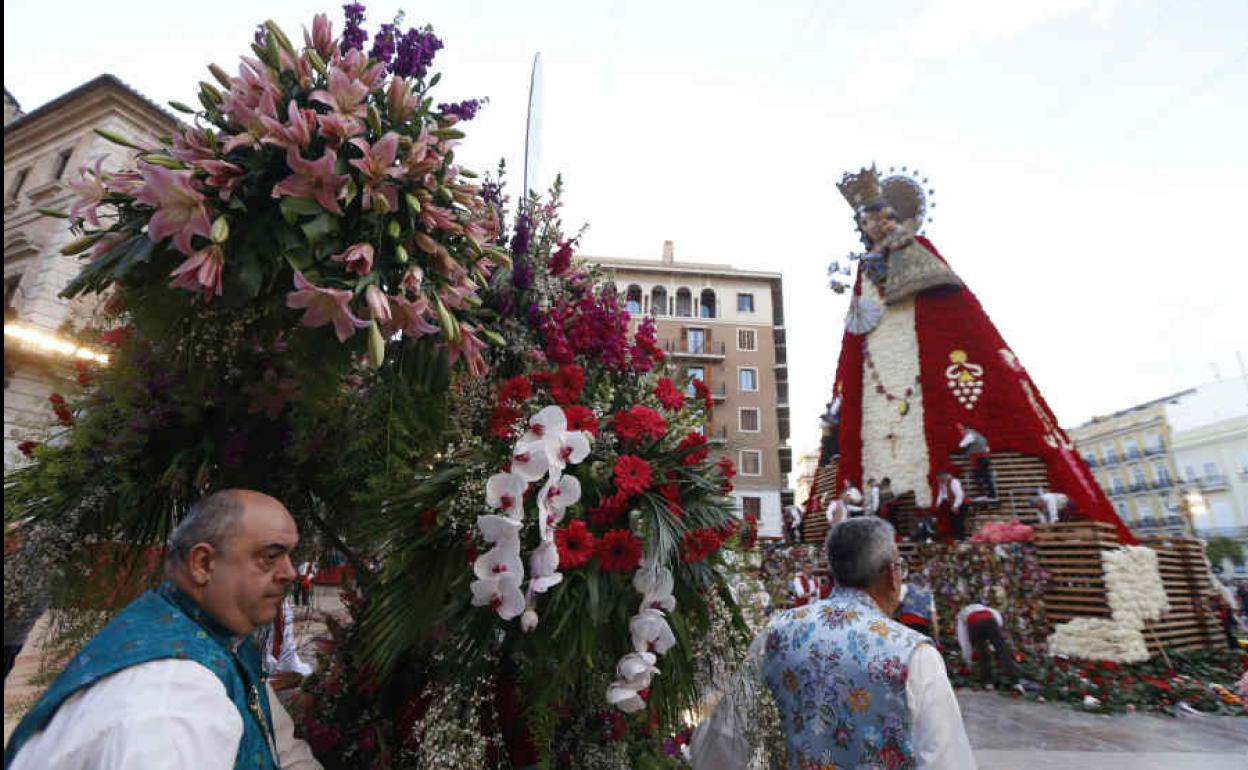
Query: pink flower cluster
[{"x": 1013, "y": 531}]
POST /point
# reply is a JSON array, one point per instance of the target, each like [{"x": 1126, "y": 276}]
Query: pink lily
[
  {"x": 377, "y": 305},
  {"x": 180, "y": 210},
  {"x": 338, "y": 129},
  {"x": 436, "y": 218},
  {"x": 201, "y": 272},
  {"x": 322, "y": 37},
  {"x": 469, "y": 347},
  {"x": 298, "y": 65},
  {"x": 358, "y": 258},
  {"x": 355, "y": 65},
  {"x": 377, "y": 166},
  {"x": 296, "y": 134},
  {"x": 313, "y": 179},
  {"x": 191, "y": 144},
  {"x": 90, "y": 190},
  {"x": 410, "y": 317},
  {"x": 223, "y": 175},
  {"x": 345, "y": 95},
  {"x": 322, "y": 306},
  {"x": 412, "y": 279},
  {"x": 124, "y": 182},
  {"x": 400, "y": 101}
]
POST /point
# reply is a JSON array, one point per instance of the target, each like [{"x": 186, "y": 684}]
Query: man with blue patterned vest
[
  {"x": 174, "y": 681},
  {"x": 856, "y": 689}
]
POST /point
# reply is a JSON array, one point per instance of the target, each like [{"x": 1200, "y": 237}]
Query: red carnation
[
  {"x": 83, "y": 373},
  {"x": 618, "y": 551},
  {"x": 669, "y": 395},
  {"x": 575, "y": 543},
  {"x": 609, "y": 508},
  {"x": 567, "y": 383},
  {"x": 503, "y": 421},
  {"x": 637, "y": 422},
  {"x": 28, "y": 447},
  {"x": 63, "y": 415},
  {"x": 515, "y": 391},
  {"x": 703, "y": 392},
  {"x": 727, "y": 467},
  {"x": 632, "y": 475},
  {"x": 693, "y": 448},
  {"x": 698, "y": 544},
  {"x": 117, "y": 336},
  {"x": 581, "y": 418}
]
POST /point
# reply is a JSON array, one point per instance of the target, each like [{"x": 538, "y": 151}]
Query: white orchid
[
  {"x": 655, "y": 586},
  {"x": 546, "y": 424},
  {"x": 506, "y": 491},
  {"x": 633, "y": 672},
  {"x": 529, "y": 460},
  {"x": 543, "y": 566},
  {"x": 504, "y": 557},
  {"x": 496, "y": 528},
  {"x": 565, "y": 449},
  {"x": 650, "y": 631},
  {"x": 528, "y": 621},
  {"x": 501, "y": 594},
  {"x": 558, "y": 494}
]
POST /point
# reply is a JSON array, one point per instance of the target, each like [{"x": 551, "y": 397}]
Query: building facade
[
  {"x": 807, "y": 465},
  {"x": 726, "y": 327},
  {"x": 1184, "y": 455},
  {"x": 43, "y": 150}
]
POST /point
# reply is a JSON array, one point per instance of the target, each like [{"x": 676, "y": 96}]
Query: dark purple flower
[
  {"x": 492, "y": 194},
  {"x": 520, "y": 241},
  {"x": 260, "y": 33},
  {"x": 533, "y": 315},
  {"x": 415, "y": 52},
  {"x": 465, "y": 110},
  {"x": 383, "y": 44},
  {"x": 353, "y": 36},
  {"x": 522, "y": 275}
]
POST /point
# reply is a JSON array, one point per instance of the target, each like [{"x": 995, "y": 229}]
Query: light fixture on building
[
  {"x": 1192, "y": 504},
  {"x": 52, "y": 343}
]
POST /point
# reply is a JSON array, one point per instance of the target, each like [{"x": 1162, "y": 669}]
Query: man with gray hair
[
  {"x": 174, "y": 681},
  {"x": 854, "y": 687}
]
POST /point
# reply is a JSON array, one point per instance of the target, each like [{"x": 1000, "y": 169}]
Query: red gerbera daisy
[
  {"x": 703, "y": 392},
  {"x": 567, "y": 383},
  {"x": 639, "y": 421},
  {"x": 618, "y": 551},
  {"x": 669, "y": 395},
  {"x": 503, "y": 421},
  {"x": 609, "y": 509},
  {"x": 693, "y": 448},
  {"x": 581, "y": 418},
  {"x": 515, "y": 391},
  {"x": 575, "y": 543},
  {"x": 632, "y": 475}
]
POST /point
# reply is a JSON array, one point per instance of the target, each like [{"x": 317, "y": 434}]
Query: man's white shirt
[
  {"x": 964, "y": 634},
  {"x": 161, "y": 715},
  {"x": 955, "y": 489}
]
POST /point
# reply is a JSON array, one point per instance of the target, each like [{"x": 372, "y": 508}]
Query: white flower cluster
[
  {"x": 545, "y": 450},
  {"x": 1135, "y": 593},
  {"x": 651, "y": 637}
]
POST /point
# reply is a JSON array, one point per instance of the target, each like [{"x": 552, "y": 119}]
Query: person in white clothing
[
  {"x": 869, "y": 572},
  {"x": 981, "y": 627},
  {"x": 155, "y": 692},
  {"x": 793, "y": 522},
  {"x": 805, "y": 587},
  {"x": 951, "y": 504},
  {"x": 1051, "y": 506},
  {"x": 841, "y": 508},
  {"x": 871, "y": 503},
  {"x": 278, "y": 645}
]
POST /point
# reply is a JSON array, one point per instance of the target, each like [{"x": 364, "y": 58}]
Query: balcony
[
  {"x": 786, "y": 459},
  {"x": 704, "y": 351},
  {"x": 1133, "y": 454},
  {"x": 717, "y": 436},
  {"x": 719, "y": 393},
  {"x": 1091, "y": 461},
  {"x": 1213, "y": 481},
  {"x": 1117, "y": 491},
  {"x": 1162, "y": 484},
  {"x": 1153, "y": 451},
  {"x": 1111, "y": 459},
  {"x": 1138, "y": 486}
]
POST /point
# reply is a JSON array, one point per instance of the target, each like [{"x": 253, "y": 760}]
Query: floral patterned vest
[
  {"x": 161, "y": 624},
  {"x": 838, "y": 669}
]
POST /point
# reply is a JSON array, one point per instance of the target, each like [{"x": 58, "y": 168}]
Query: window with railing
[
  {"x": 658, "y": 300},
  {"x": 684, "y": 303},
  {"x": 750, "y": 462},
  {"x": 747, "y": 340},
  {"x": 747, "y": 419},
  {"x": 1111, "y": 455},
  {"x": 1131, "y": 449},
  {"x": 691, "y": 374},
  {"x": 695, "y": 341},
  {"x": 752, "y": 506},
  {"x": 1115, "y": 486},
  {"x": 1162, "y": 473}
]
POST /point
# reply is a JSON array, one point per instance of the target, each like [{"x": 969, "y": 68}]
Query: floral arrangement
[
  {"x": 321, "y": 178},
  {"x": 1013, "y": 531},
  {"x": 1109, "y": 687},
  {"x": 1099, "y": 639},
  {"x": 1135, "y": 594}
]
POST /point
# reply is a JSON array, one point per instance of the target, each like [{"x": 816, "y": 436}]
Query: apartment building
[{"x": 726, "y": 327}]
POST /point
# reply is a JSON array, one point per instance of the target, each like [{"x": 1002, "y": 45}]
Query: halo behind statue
[{"x": 903, "y": 190}]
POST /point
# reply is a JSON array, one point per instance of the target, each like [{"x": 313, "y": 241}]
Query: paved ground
[{"x": 1006, "y": 734}]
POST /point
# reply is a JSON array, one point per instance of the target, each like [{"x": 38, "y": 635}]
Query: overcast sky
[{"x": 1088, "y": 156}]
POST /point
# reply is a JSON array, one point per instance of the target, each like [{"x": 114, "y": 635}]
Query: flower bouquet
[{"x": 1013, "y": 531}]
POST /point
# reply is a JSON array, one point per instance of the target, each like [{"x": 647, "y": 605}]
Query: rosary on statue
[{"x": 903, "y": 405}]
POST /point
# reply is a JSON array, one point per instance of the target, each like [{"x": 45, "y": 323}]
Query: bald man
[{"x": 175, "y": 681}]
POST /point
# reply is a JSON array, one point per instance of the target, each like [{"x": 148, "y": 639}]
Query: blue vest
[
  {"x": 838, "y": 670},
  {"x": 162, "y": 624}
]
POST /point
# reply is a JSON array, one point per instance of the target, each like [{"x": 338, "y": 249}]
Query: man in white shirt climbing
[{"x": 174, "y": 681}]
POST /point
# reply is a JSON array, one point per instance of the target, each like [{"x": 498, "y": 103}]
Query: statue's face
[{"x": 876, "y": 225}]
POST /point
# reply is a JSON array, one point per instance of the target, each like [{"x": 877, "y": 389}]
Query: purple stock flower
[
  {"x": 415, "y": 52},
  {"x": 534, "y": 315},
  {"x": 465, "y": 110},
  {"x": 383, "y": 44},
  {"x": 522, "y": 275},
  {"x": 520, "y": 241},
  {"x": 353, "y": 36},
  {"x": 260, "y": 33},
  {"x": 492, "y": 193}
]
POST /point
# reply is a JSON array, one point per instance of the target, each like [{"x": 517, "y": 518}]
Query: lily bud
[
  {"x": 220, "y": 232},
  {"x": 449, "y": 133},
  {"x": 444, "y": 196},
  {"x": 493, "y": 337},
  {"x": 381, "y": 205},
  {"x": 208, "y": 94},
  {"x": 376, "y": 346},
  {"x": 400, "y": 254},
  {"x": 221, "y": 76},
  {"x": 316, "y": 61},
  {"x": 377, "y": 303},
  {"x": 374, "y": 119},
  {"x": 528, "y": 621},
  {"x": 449, "y": 328},
  {"x": 53, "y": 213},
  {"x": 282, "y": 40},
  {"x": 79, "y": 245},
  {"x": 163, "y": 161},
  {"x": 468, "y": 173},
  {"x": 117, "y": 139},
  {"x": 394, "y": 229},
  {"x": 413, "y": 203},
  {"x": 180, "y": 107}
]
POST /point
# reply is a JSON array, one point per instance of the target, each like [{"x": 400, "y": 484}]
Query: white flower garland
[
  {"x": 1135, "y": 593},
  {"x": 651, "y": 637}
]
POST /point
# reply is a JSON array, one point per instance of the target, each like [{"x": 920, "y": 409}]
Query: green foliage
[{"x": 1220, "y": 549}]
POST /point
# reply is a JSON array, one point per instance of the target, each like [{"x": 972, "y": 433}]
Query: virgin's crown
[{"x": 861, "y": 189}]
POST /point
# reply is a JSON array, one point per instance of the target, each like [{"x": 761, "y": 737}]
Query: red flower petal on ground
[
  {"x": 669, "y": 395},
  {"x": 515, "y": 391},
  {"x": 575, "y": 543},
  {"x": 632, "y": 474},
  {"x": 618, "y": 551},
  {"x": 581, "y": 418}
]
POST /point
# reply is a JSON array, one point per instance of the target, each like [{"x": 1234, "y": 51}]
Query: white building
[{"x": 1209, "y": 432}]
